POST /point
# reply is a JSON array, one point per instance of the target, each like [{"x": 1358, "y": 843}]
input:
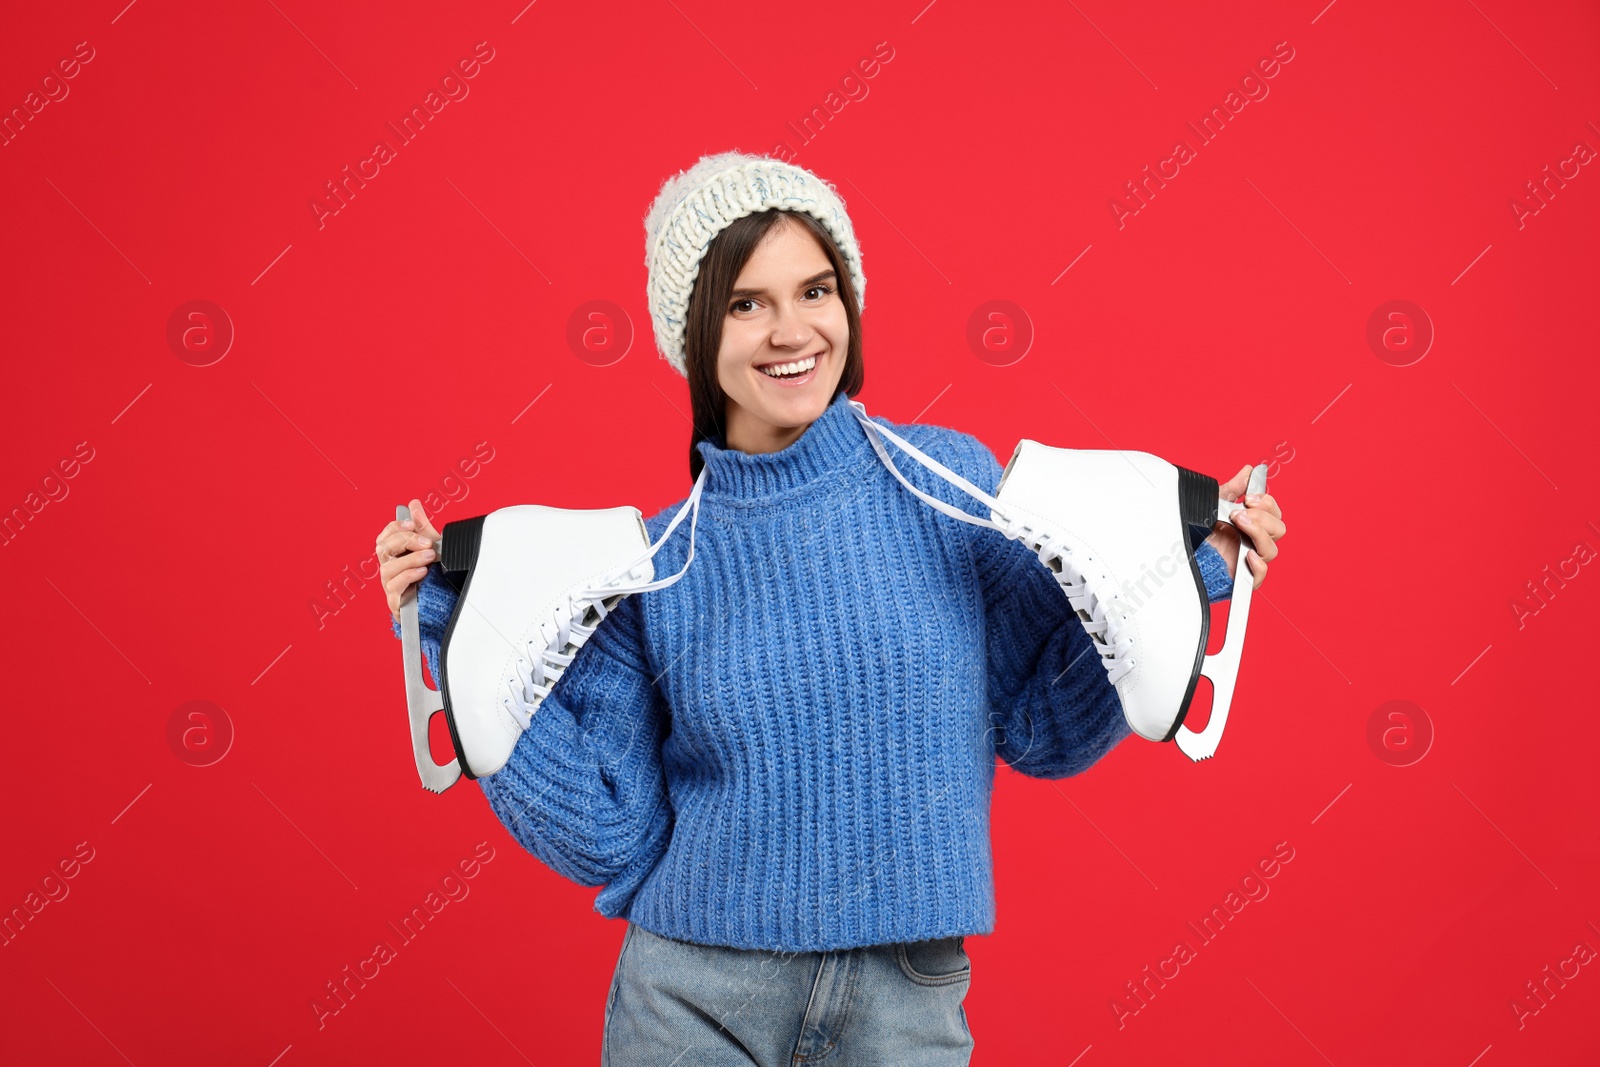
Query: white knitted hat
[{"x": 695, "y": 205}]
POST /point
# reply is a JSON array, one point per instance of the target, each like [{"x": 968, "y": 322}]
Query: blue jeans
[{"x": 687, "y": 1005}]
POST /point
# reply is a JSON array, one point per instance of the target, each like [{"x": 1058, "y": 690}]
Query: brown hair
[{"x": 725, "y": 257}]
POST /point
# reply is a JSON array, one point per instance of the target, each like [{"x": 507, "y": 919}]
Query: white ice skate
[
  {"x": 1113, "y": 527},
  {"x": 540, "y": 581}
]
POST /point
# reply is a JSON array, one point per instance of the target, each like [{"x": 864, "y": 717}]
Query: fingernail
[
  {"x": 1241, "y": 518},
  {"x": 424, "y": 542},
  {"x": 427, "y": 553}
]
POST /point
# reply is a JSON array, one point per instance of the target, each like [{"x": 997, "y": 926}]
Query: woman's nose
[{"x": 789, "y": 328}]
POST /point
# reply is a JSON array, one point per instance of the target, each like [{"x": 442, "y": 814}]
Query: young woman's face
[{"x": 785, "y": 309}]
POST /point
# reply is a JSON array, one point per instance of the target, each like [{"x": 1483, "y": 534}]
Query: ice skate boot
[
  {"x": 1113, "y": 528},
  {"x": 540, "y": 581}
]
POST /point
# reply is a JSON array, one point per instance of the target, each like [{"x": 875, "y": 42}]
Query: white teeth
[{"x": 790, "y": 368}]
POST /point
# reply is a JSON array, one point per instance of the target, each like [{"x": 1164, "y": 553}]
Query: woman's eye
[
  {"x": 825, "y": 289},
  {"x": 736, "y": 303}
]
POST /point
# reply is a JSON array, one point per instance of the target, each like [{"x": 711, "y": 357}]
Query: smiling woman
[{"x": 781, "y": 767}]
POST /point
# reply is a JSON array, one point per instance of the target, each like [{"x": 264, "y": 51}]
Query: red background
[{"x": 1224, "y": 323}]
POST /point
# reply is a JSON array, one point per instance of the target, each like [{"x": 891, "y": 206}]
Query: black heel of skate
[
  {"x": 1197, "y": 498},
  {"x": 459, "y": 542}
]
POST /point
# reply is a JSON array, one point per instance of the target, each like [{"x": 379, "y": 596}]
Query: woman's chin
[{"x": 794, "y": 402}]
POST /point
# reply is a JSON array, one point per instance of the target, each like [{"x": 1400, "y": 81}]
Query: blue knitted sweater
[{"x": 793, "y": 747}]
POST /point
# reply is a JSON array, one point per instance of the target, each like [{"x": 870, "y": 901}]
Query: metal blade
[
  {"x": 1223, "y": 667},
  {"x": 421, "y": 701}
]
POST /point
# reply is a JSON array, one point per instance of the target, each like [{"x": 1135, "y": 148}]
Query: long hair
[{"x": 725, "y": 257}]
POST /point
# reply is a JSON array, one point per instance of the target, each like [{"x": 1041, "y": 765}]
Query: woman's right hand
[{"x": 404, "y": 551}]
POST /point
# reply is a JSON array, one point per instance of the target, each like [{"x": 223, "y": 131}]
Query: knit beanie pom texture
[{"x": 697, "y": 204}]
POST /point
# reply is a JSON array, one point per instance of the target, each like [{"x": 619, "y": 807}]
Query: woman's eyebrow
[{"x": 830, "y": 273}]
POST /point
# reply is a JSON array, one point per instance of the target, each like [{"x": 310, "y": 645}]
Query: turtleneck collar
[{"x": 834, "y": 440}]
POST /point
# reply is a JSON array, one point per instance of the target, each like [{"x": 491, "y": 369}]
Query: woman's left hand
[{"x": 1258, "y": 516}]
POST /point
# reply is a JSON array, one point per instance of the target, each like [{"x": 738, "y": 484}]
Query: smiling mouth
[{"x": 791, "y": 369}]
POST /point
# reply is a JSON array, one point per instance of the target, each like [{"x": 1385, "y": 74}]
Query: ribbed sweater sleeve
[
  {"x": 1053, "y": 711},
  {"x": 1213, "y": 568},
  {"x": 584, "y": 789}
]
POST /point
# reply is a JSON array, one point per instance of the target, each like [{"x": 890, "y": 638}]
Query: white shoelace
[
  {"x": 1093, "y": 595},
  {"x": 543, "y": 660}
]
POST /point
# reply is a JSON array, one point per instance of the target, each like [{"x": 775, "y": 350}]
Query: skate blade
[
  {"x": 1222, "y": 669},
  {"x": 421, "y": 701}
]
